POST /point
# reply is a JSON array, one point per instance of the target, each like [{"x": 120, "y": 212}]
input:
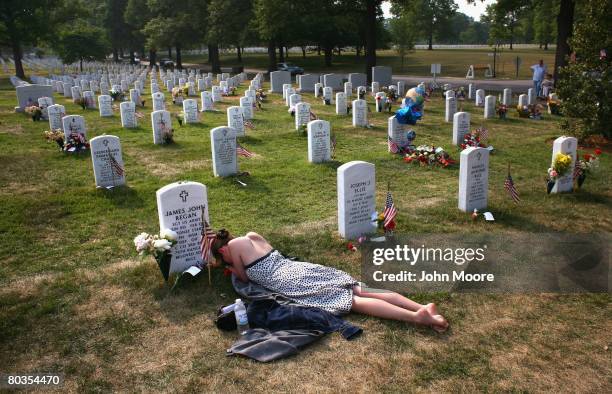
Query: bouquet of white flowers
[{"x": 158, "y": 246}]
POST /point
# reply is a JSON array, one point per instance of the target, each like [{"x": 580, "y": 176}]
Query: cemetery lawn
[
  {"x": 75, "y": 298},
  {"x": 455, "y": 62}
]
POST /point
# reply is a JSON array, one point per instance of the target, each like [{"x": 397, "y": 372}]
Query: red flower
[
  {"x": 390, "y": 226},
  {"x": 408, "y": 159},
  {"x": 598, "y": 151},
  {"x": 227, "y": 272},
  {"x": 587, "y": 157},
  {"x": 351, "y": 247}
]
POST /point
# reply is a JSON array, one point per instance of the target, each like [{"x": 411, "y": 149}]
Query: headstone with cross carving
[
  {"x": 107, "y": 161},
  {"x": 473, "y": 179},
  {"x": 180, "y": 207},
  {"x": 223, "y": 147}
]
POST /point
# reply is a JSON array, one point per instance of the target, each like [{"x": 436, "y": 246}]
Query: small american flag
[
  {"x": 313, "y": 116},
  {"x": 115, "y": 166},
  {"x": 333, "y": 146},
  {"x": 242, "y": 151},
  {"x": 390, "y": 210},
  {"x": 484, "y": 134},
  {"x": 577, "y": 170},
  {"x": 510, "y": 188},
  {"x": 208, "y": 237},
  {"x": 393, "y": 147}
]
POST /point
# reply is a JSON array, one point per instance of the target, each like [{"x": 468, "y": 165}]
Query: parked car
[
  {"x": 292, "y": 68},
  {"x": 166, "y": 63}
]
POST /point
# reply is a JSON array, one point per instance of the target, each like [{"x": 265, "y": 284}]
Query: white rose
[
  {"x": 162, "y": 244},
  {"x": 141, "y": 242},
  {"x": 169, "y": 234}
]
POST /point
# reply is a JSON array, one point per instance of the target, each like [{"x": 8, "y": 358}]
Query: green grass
[
  {"x": 75, "y": 298},
  {"x": 455, "y": 62}
]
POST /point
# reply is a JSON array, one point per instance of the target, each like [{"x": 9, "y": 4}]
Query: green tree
[
  {"x": 402, "y": 35},
  {"x": 544, "y": 23},
  {"x": 228, "y": 23},
  {"x": 118, "y": 32},
  {"x": 81, "y": 42},
  {"x": 503, "y": 17},
  {"x": 136, "y": 15},
  {"x": 25, "y": 23},
  {"x": 271, "y": 23},
  {"x": 585, "y": 86},
  {"x": 431, "y": 17}
]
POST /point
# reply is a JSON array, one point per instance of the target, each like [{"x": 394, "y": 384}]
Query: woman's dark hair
[{"x": 221, "y": 239}]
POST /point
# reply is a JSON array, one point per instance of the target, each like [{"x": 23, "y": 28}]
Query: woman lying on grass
[{"x": 252, "y": 258}]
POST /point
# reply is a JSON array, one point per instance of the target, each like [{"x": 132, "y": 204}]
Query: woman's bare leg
[
  {"x": 403, "y": 302},
  {"x": 380, "y": 308},
  {"x": 389, "y": 296}
]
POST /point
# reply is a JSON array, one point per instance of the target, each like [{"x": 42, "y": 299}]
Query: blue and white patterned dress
[{"x": 305, "y": 283}]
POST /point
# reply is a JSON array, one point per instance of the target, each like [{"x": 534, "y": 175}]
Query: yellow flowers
[{"x": 562, "y": 163}]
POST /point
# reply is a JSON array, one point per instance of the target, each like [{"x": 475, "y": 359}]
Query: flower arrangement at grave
[
  {"x": 158, "y": 246},
  {"x": 523, "y": 111},
  {"x": 34, "y": 111},
  {"x": 76, "y": 143},
  {"x": 587, "y": 165},
  {"x": 260, "y": 95},
  {"x": 473, "y": 139},
  {"x": 231, "y": 91},
  {"x": 554, "y": 106},
  {"x": 56, "y": 136},
  {"x": 116, "y": 95},
  {"x": 429, "y": 155},
  {"x": 178, "y": 93},
  {"x": 561, "y": 166},
  {"x": 460, "y": 93},
  {"x": 502, "y": 110}
]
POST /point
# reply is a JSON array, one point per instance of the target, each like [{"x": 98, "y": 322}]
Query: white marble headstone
[
  {"x": 206, "y": 101},
  {"x": 74, "y": 124},
  {"x": 360, "y": 113},
  {"x": 247, "y": 107},
  {"x": 235, "y": 120},
  {"x": 55, "y": 113},
  {"x": 451, "y": 108},
  {"x": 567, "y": 146},
  {"x": 397, "y": 132},
  {"x": 180, "y": 206},
  {"x": 159, "y": 103},
  {"x": 489, "y": 109},
  {"x": 341, "y": 108},
  {"x": 190, "y": 111},
  {"x": 223, "y": 147},
  {"x": 356, "y": 183},
  {"x": 105, "y": 103},
  {"x": 473, "y": 179},
  {"x": 128, "y": 114},
  {"x": 461, "y": 126},
  {"x": 507, "y": 97},
  {"x": 107, "y": 161},
  {"x": 302, "y": 114},
  {"x": 161, "y": 123},
  {"x": 480, "y": 97},
  {"x": 319, "y": 142}
]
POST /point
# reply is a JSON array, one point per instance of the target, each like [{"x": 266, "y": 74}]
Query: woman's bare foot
[
  {"x": 442, "y": 324},
  {"x": 425, "y": 318},
  {"x": 432, "y": 309}
]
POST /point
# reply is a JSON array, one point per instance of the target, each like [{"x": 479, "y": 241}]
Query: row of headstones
[
  {"x": 380, "y": 74},
  {"x": 357, "y": 191}
]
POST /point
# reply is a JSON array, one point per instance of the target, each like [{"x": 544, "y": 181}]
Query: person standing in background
[{"x": 539, "y": 70}]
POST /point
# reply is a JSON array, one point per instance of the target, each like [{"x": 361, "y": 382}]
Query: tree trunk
[
  {"x": 179, "y": 59},
  {"x": 170, "y": 53},
  {"x": 115, "y": 55},
  {"x": 271, "y": 56},
  {"x": 511, "y": 36},
  {"x": 370, "y": 38},
  {"x": 318, "y": 51},
  {"x": 132, "y": 57},
  {"x": 213, "y": 51},
  {"x": 152, "y": 58},
  {"x": 17, "y": 56},
  {"x": 121, "y": 52},
  {"x": 286, "y": 52},
  {"x": 303, "y": 52},
  {"x": 565, "y": 23},
  {"x": 281, "y": 54},
  {"x": 81, "y": 65},
  {"x": 546, "y": 46},
  {"x": 430, "y": 40},
  {"x": 358, "y": 50},
  {"x": 209, "y": 54},
  {"x": 239, "y": 53},
  {"x": 328, "y": 51}
]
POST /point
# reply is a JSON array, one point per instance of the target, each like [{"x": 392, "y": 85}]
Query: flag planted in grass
[
  {"x": 510, "y": 188},
  {"x": 393, "y": 147},
  {"x": 242, "y": 151},
  {"x": 390, "y": 211}
]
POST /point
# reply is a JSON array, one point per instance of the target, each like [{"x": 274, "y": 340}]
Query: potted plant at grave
[
  {"x": 588, "y": 164},
  {"x": 158, "y": 246},
  {"x": 56, "y": 136},
  {"x": 34, "y": 111},
  {"x": 562, "y": 164},
  {"x": 168, "y": 136},
  {"x": 502, "y": 109}
]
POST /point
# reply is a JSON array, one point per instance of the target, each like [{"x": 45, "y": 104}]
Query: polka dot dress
[{"x": 305, "y": 283}]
